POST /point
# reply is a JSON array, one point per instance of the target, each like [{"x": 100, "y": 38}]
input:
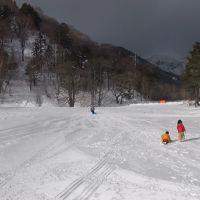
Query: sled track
[
  {"x": 7, "y": 178},
  {"x": 9, "y": 175},
  {"x": 23, "y": 132},
  {"x": 93, "y": 179},
  {"x": 38, "y": 157}
]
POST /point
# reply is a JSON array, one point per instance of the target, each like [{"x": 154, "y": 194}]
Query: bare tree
[
  {"x": 24, "y": 23},
  {"x": 3, "y": 71},
  {"x": 70, "y": 81},
  {"x": 4, "y": 32}
]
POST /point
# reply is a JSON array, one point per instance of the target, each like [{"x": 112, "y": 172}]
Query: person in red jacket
[{"x": 181, "y": 131}]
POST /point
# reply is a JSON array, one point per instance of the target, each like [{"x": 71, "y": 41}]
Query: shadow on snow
[
  {"x": 187, "y": 140},
  {"x": 191, "y": 139}
]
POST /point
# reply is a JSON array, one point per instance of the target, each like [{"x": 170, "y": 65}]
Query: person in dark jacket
[{"x": 92, "y": 108}]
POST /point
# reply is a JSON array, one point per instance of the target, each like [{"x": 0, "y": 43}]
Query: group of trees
[
  {"x": 7, "y": 32},
  {"x": 65, "y": 62}
]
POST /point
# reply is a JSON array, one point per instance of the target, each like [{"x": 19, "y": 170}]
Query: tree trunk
[{"x": 22, "y": 48}]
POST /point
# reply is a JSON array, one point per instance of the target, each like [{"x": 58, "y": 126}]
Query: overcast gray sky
[{"x": 148, "y": 27}]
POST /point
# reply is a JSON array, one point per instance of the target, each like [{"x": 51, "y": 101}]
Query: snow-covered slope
[
  {"x": 168, "y": 64},
  {"x": 67, "y": 153},
  {"x": 18, "y": 90}
]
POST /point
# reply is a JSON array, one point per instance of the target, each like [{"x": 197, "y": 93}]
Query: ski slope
[{"x": 54, "y": 153}]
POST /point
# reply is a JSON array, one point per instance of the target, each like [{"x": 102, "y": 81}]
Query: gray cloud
[{"x": 145, "y": 26}]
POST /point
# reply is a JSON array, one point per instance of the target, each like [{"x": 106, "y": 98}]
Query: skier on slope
[
  {"x": 165, "y": 137},
  {"x": 92, "y": 108},
  {"x": 181, "y": 130}
]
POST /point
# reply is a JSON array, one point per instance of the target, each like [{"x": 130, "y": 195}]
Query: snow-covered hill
[
  {"x": 66, "y": 153},
  {"x": 168, "y": 64}
]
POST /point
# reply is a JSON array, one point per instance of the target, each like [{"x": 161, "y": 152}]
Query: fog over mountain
[{"x": 147, "y": 27}]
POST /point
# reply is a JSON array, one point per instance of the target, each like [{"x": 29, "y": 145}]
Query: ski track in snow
[
  {"x": 93, "y": 180},
  {"x": 46, "y": 153}
]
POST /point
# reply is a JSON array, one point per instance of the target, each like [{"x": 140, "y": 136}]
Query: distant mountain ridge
[
  {"x": 160, "y": 73},
  {"x": 168, "y": 63}
]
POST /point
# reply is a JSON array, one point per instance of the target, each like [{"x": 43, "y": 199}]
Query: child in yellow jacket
[{"x": 165, "y": 138}]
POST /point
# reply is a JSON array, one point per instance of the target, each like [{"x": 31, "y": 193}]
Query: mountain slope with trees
[{"x": 62, "y": 62}]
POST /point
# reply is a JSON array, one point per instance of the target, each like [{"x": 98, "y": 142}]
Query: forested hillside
[{"x": 57, "y": 61}]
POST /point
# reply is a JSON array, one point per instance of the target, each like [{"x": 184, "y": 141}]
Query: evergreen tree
[{"x": 192, "y": 74}]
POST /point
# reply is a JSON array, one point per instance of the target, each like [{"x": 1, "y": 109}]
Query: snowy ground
[{"x": 67, "y": 153}]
